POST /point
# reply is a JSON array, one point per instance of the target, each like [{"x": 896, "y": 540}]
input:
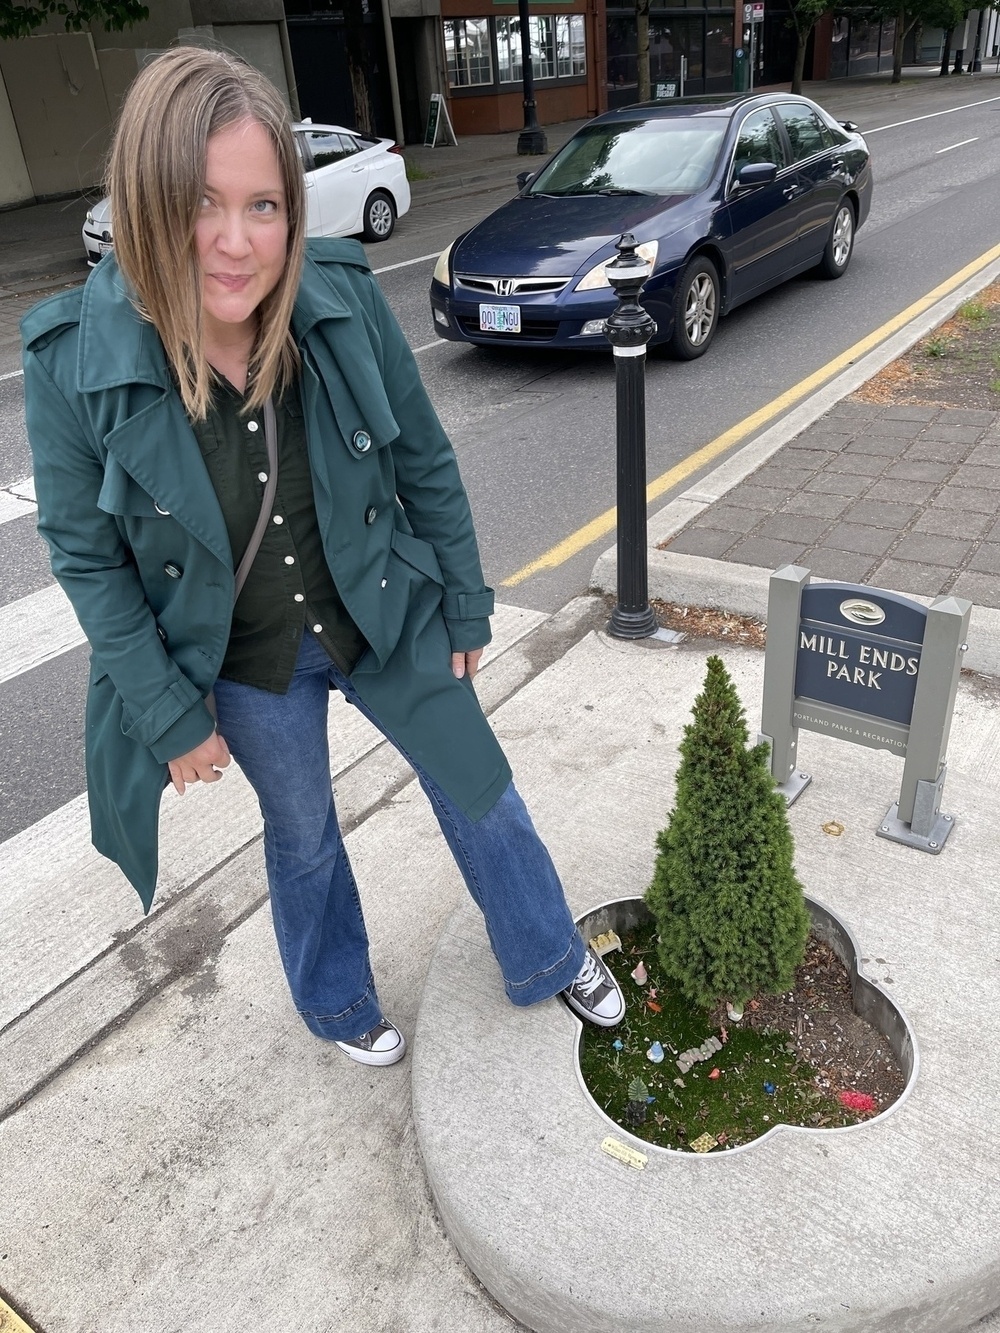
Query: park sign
[{"x": 871, "y": 667}]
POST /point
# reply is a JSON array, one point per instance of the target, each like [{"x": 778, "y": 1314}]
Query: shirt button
[
  {"x": 262, "y": 476},
  {"x": 371, "y": 513},
  {"x": 172, "y": 571},
  {"x": 317, "y": 629},
  {"x": 251, "y": 425},
  {"x": 278, "y": 518},
  {"x": 299, "y": 597},
  {"x": 289, "y": 559}
]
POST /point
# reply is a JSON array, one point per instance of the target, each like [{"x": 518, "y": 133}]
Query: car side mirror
[
  {"x": 525, "y": 178},
  {"x": 849, "y": 126},
  {"x": 756, "y": 173}
]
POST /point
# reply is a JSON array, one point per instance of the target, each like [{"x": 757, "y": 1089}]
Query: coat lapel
[{"x": 153, "y": 441}]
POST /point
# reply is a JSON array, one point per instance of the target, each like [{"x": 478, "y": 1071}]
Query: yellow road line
[
  {"x": 10, "y": 1322},
  {"x": 605, "y": 523}
]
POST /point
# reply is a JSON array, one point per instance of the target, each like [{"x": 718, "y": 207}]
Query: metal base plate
[
  {"x": 893, "y": 828},
  {"x": 793, "y": 787}
]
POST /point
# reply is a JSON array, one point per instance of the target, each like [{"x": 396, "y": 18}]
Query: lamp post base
[
  {"x": 632, "y": 624},
  {"x": 532, "y": 143}
]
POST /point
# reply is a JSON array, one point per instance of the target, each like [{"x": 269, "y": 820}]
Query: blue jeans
[{"x": 280, "y": 743}]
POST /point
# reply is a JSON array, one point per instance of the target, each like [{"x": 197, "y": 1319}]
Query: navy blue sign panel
[{"x": 859, "y": 649}]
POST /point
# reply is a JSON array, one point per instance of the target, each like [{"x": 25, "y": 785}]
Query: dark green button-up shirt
[{"x": 289, "y": 584}]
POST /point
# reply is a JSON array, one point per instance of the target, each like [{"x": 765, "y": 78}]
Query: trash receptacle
[{"x": 741, "y": 72}]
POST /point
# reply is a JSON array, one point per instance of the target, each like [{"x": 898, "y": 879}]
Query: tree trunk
[
  {"x": 642, "y": 49},
  {"x": 946, "y": 51},
  {"x": 801, "y": 42},
  {"x": 897, "y": 46},
  {"x": 357, "y": 65}
]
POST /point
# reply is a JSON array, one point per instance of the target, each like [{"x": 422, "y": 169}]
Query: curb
[{"x": 701, "y": 581}]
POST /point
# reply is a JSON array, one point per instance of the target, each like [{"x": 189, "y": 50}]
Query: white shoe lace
[{"x": 589, "y": 976}]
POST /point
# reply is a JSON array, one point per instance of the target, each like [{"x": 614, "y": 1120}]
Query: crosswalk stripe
[
  {"x": 17, "y": 499},
  {"x": 35, "y": 629}
]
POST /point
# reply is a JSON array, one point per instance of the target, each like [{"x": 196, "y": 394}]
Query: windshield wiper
[{"x": 619, "y": 189}]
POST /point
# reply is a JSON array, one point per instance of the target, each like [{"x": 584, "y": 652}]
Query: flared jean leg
[
  {"x": 509, "y": 873},
  {"x": 280, "y": 743}
]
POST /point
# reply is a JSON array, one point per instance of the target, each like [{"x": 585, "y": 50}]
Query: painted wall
[{"x": 61, "y": 92}]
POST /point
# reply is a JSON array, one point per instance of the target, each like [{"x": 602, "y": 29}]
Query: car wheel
[
  {"x": 696, "y": 309},
  {"x": 840, "y": 245},
  {"x": 379, "y": 216}
]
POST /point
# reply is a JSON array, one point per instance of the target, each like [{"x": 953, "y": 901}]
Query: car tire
[
  {"x": 379, "y": 216},
  {"x": 840, "y": 243},
  {"x": 696, "y": 310}
]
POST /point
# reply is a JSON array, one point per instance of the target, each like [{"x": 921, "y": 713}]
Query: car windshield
[{"x": 658, "y": 157}]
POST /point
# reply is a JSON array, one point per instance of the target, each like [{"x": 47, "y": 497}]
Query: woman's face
[{"x": 242, "y": 231}]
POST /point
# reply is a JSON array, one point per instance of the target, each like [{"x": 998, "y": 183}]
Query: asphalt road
[{"x": 535, "y": 432}]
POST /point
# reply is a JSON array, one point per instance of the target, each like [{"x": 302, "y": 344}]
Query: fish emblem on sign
[{"x": 861, "y": 612}]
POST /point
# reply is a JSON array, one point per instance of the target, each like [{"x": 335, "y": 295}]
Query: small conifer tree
[{"x": 729, "y": 909}]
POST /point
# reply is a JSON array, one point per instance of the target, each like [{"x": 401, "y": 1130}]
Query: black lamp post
[
  {"x": 531, "y": 140},
  {"x": 629, "y": 329}
]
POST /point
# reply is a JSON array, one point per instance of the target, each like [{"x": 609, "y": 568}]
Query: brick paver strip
[{"x": 904, "y": 497}]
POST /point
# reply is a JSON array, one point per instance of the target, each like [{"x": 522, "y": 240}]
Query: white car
[{"x": 354, "y": 184}]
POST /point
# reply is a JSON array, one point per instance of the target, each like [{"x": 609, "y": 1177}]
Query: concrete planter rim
[{"x": 869, "y": 1001}]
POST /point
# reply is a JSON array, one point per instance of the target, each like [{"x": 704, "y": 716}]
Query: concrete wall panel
[{"x": 15, "y": 182}]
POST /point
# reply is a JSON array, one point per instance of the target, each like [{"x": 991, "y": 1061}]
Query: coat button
[
  {"x": 162, "y": 633},
  {"x": 172, "y": 571},
  {"x": 371, "y": 513},
  {"x": 164, "y": 512},
  {"x": 362, "y": 441}
]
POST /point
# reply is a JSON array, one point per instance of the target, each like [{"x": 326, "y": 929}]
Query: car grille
[
  {"x": 534, "y": 330},
  {"x": 510, "y": 286}
]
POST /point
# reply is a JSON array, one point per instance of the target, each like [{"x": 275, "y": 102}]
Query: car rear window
[{"x": 659, "y": 157}]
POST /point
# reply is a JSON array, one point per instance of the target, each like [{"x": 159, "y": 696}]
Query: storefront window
[
  {"x": 467, "y": 49},
  {"x": 558, "y": 47}
]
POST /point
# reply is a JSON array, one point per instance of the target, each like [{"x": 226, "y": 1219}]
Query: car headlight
[
  {"x": 597, "y": 278},
  {"x": 90, "y": 218},
  {"x": 441, "y": 267}
]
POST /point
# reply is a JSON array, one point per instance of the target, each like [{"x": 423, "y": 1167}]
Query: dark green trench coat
[{"x": 123, "y": 493}]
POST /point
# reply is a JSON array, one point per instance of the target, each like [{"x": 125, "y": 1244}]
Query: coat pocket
[{"x": 417, "y": 553}]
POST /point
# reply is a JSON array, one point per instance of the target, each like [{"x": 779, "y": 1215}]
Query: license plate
[
  {"x": 105, "y": 247},
  {"x": 500, "y": 319}
]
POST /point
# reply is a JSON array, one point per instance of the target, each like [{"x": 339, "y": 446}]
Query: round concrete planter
[{"x": 869, "y": 1000}]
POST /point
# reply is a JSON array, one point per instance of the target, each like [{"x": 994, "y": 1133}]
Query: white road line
[
  {"x": 11, "y": 375},
  {"x": 966, "y": 106},
  {"x": 17, "y": 499},
  {"x": 427, "y": 347},
  {"x": 35, "y": 629},
  {"x": 957, "y": 145},
  {"x": 62, "y": 904},
  {"x": 421, "y": 259}
]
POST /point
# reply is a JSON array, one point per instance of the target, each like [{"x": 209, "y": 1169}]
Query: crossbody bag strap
[{"x": 267, "y": 504}]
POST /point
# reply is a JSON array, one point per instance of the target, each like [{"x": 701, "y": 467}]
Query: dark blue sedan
[{"x": 725, "y": 199}]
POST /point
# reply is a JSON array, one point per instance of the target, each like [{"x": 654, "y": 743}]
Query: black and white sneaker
[
  {"x": 595, "y": 995},
  {"x": 383, "y": 1045}
]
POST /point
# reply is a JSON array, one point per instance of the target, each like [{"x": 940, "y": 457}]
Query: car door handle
[
  {"x": 790, "y": 191},
  {"x": 356, "y": 169}
]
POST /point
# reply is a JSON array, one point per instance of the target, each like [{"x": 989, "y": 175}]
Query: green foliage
[
  {"x": 19, "y": 20},
  {"x": 729, "y": 909},
  {"x": 974, "y": 312},
  {"x": 637, "y": 1091},
  {"x": 936, "y": 346}
]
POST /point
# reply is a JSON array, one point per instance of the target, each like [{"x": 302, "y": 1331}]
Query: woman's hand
[
  {"x": 466, "y": 662},
  {"x": 202, "y": 764}
]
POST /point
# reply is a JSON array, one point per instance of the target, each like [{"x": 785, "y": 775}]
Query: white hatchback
[{"x": 355, "y": 185}]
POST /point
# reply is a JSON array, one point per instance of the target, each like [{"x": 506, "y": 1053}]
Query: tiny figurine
[
  {"x": 639, "y": 973},
  {"x": 655, "y": 1053}
]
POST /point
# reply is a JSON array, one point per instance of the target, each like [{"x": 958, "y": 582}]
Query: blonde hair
[{"x": 156, "y": 179}]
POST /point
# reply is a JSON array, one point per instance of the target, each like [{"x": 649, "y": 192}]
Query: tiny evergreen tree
[{"x": 729, "y": 909}]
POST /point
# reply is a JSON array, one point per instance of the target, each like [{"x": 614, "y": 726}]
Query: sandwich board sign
[
  {"x": 870, "y": 667},
  {"x": 439, "y": 127}
]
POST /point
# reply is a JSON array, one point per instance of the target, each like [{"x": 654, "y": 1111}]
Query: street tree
[
  {"x": 804, "y": 16},
  {"x": 643, "y": 90},
  {"x": 20, "y": 20}
]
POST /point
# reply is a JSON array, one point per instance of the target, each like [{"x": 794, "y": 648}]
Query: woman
[{"x": 214, "y": 340}]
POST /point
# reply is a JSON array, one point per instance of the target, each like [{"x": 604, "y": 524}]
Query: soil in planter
[{"x": 788, "y": 1061}]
